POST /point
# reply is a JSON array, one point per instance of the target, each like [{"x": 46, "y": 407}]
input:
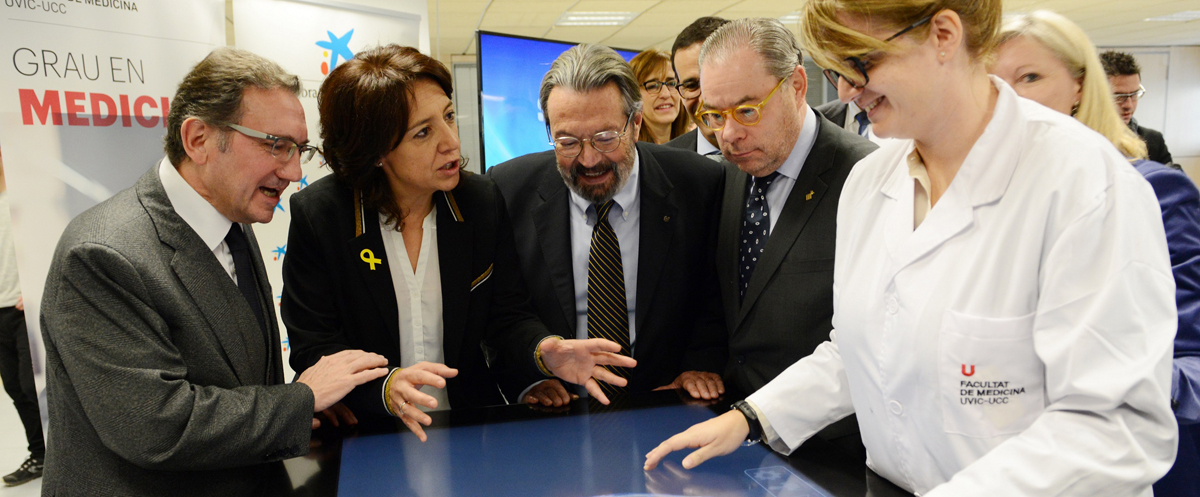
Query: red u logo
[{"x": 964, "y": 370}]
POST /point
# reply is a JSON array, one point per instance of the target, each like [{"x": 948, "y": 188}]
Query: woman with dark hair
[
  {"x": 1003, "y": 306},
  {"x": 403, "y": 253},
  {"x": 664, "y": 118}
]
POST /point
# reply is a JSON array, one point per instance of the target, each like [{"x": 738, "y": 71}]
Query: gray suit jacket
[
  {"x": 835, "y": 111},
  {"x": 686, "y": 141},
  {"x": 160, "y": 381},
  {"x": 788, "y": 308}
]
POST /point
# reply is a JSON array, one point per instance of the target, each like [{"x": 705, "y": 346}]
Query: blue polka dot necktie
[
  {"x": 863, "y": 123},
  {"x": 608, "y": 313},
  {"x": 756, "y": 227}
]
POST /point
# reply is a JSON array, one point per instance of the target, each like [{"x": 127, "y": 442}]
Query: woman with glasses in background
[
  {"x": 1050, "y": 60},
  {"x": 403, "y": 253},
  {"x": 1003, "y": 308},
  {"x": 663, "y": 117}
]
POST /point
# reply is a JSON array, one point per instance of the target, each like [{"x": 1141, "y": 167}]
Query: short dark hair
[
  {"x": 696, "y": 32},
  {"x": 212, "y": 92},
  {"x": 365, "y": 104},
  {"x": 1120, "y": 64}
]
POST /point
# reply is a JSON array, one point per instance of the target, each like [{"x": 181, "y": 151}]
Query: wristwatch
[{"x": 756, "y": 430}]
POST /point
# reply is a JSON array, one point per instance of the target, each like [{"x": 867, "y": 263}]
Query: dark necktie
[
  {"x": 863, "y": 123},
  {"x": 239, "y": 248},
  {"x": 608, "y": 314},
  {"x": 756, "y": 227}
]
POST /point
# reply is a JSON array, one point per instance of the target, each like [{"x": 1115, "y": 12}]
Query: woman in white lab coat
[{"x": 1003, "y": 299}]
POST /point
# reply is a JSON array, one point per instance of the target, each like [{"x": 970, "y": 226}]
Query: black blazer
[
  {"x": 678, "y": 322},
  {"x": 1156, "y": 146},
  {"x": 835, "y": 111},
  {"x": 333, "y": 300},
  {"x": 788, "y": 308},
  {"x": 686, "y": 141}
]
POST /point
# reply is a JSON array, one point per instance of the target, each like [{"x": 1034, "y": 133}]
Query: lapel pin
[
  {"x": 369, "y": 258},
  {"x": 810, "y": 194},
  {"x": 666, "y": 219}
]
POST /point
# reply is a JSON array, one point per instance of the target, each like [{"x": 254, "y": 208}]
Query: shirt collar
[
  {"x": 624, "y": 198},
  {"x": 703, "y": 147},
  {"x": 200, "y": 215},
  {"x": 808, "y": 136}
]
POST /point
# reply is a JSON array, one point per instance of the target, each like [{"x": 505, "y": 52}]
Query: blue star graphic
[
  {"x": 280, "y": 207},
  {"x": 338, "y": 47},
  {"x": 280, "y": 251},
  {"x": 303, "y": 183}
]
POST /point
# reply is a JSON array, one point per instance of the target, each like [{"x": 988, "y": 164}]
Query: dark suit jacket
[
  {"x": 788, "y": 306},
  {"x": 835, "y": 111},
  {"x": 678, "y": 323},
  {"x": 1155, "y": 144},
  {"x": 686, "y": 141},
  {"x": 334, "y": 301},
  {"x": 160, "y": 380}
]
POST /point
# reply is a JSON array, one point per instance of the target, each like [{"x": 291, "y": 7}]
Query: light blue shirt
[
  {"x": 778, "y": 193},
  {"x": 625, "y": 218}
]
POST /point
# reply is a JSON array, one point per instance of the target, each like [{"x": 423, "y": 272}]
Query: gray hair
[
  {"x": 765, "y": 36},
  {"x": 586, "y": 67},
  {"x": 212, "y": 92}
]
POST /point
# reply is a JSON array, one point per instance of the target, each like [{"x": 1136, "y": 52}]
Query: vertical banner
[
  {"x": 84, "y": 93},
  {"x": 309, "y": 38}
]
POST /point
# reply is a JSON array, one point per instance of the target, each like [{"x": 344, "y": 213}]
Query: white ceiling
[{"x": 452, "y": 23}]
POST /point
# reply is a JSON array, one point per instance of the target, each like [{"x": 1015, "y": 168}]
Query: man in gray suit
[
  {"x": 778, "y": 217},
  {"x": 162, "y": 349}
]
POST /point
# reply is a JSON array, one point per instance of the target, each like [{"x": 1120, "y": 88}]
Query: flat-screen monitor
[{"x": 510, "y": 74}]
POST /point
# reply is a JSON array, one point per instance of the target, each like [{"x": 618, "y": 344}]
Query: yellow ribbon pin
[
  {"x": 810, "y": 194},
  {"x": 369, "y": 258}
]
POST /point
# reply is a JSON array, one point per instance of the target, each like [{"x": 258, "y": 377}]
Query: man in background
[
  {"x": 162, "y": 349},
  {"x": 685, "y": 59},
  {"x": 1125, "y": 78},
  {"x": 16, "y": 366}
]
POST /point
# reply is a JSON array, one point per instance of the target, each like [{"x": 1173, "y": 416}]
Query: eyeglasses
[
  {"x": 861, "y": 67},
  {"x": 747, "y": 115},
  {"x": 689, "y": 88},
  {"x": 604, "y": 141},
  {"x": 654, "y": 85},
  {"x": 281, "y": 148},
  {"x": 1135, "y": 95}
]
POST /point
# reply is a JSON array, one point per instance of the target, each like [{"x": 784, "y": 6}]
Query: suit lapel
[
  {"x": 553, "y": 223},
  {"x": 454, "y": 255},
  {"x": 658, "y": 209},
  {"x": 728, "y": 241},
  {"x": 804, "y": 198},
  {"x": 369, "y": 257},
  {"x": 212, "y": 290}
]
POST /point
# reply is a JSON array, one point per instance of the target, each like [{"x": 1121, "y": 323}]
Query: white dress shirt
[
  {"x": 703, "y": 147},
  {"x": 777, "y": 194},
  {"x": 418, "y": 300},
  {"x": 625, "y": 218},
  {"x": 201, "y": 216}
]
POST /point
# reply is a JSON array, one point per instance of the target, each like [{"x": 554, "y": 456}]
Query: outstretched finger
[
  {"x": 417, "y": 397},
  {"x": 415, "y": 428},
  {"x": 609, "y": 377},
  {"x": 421, "y": 377},
  {"x": 593, "y": 388},
  {"x": 436, "y": 368},
  {"x": 612, "y": 359}
]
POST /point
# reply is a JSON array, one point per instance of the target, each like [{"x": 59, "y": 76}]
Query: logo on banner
[{"x": 336, "y": 47}]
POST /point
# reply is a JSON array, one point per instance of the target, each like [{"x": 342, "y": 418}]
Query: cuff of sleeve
[
  {"x": 537, "y": 356},
  {"x": 769, "y": 435},
  {"x": 387, "y": 386}
]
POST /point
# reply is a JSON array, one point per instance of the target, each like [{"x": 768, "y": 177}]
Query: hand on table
[
  {"x": 549, "y": 393},
  {"x": 405, "y": 393},
  {"x": 336, "y": 415},
  {"x": 335, "y": 375},
  {"x": 715, "y": 437},
  {"x": 582, "y": 362},
  {"x": 698, "y": 384}
]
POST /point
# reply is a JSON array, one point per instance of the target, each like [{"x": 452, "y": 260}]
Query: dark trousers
[{"x": 16, "y": 369}]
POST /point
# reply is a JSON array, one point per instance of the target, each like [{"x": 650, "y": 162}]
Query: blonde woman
[
  {"x": 663, "y": 115},
  {"x": 1003, "y": 307},
  {"x": 1048, "y": 59}
]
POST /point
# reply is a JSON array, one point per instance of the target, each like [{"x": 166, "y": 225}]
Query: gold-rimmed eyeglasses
[
  {"x": 604, "y": 141},
  {"x": 281, "y": 148},
  {"x": 861, "y": 67},
  {"x": 747, "y": 115},
  {"x": 1135, "y": 95}
]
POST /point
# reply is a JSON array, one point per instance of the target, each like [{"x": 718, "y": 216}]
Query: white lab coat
[{"x": 1019, "y": 341}]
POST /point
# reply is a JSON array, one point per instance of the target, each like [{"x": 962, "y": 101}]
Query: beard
[{"x": 598, "y": 194}]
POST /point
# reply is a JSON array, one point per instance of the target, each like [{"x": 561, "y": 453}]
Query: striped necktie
[{"x": 607, "y": 314}]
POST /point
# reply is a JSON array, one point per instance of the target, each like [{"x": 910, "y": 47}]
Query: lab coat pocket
[{"x": 992, "y": 383}]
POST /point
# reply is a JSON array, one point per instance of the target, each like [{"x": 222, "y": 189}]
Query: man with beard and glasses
[
  {"x": 616, "y": 237},
  {"x": 779, "y": 218}
]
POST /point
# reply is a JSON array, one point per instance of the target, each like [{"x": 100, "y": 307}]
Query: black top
[{"x": 1156, "y": 146}]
